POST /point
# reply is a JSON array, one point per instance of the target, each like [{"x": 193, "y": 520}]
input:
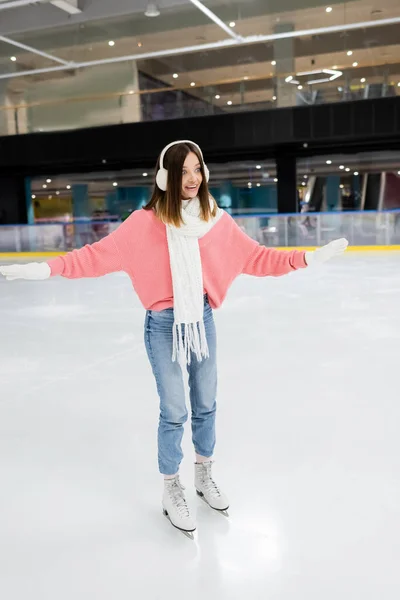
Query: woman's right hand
[{"x": 32, "y": 271}]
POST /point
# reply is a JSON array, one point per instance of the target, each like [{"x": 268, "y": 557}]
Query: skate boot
[
  {"x": 175, "y": 507},
  {"x": 207, "y": 489}
]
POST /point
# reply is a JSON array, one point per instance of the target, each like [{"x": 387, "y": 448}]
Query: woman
[{"x": 182, "y": 253}]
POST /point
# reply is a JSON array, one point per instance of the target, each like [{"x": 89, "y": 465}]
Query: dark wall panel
[
  {"x": 298, "y": 131},
  {"x": 342, "y": 120},
  {"x": 364, "y": 122},
  {"x": 321, "y": 121}
]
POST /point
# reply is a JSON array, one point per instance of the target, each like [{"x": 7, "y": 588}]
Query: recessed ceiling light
[
  {"x": 115, "y": 184},
  {"x": 144, "y": 174},
  {"x": 68, "y": 187},
  {"x": 341, "y": 186},
  {"x": 48, "y": 180},
  {"x": 341, "y": 167},
  {"x": 193, "y": 84},
  {"x": 328, "y": 162},
  {"x": 111, "y": 43},
  {"x": 57, "y": 193},
  {"x": 258, "y": 166},
  {"x": 217, "y": 96},
  {"x": 349, "y": 52},
  {"x": 273, "y": 97},
  {"x": 33, "y": 196},
  {"x": 232, "y": 24},
  {"x": 249, "y": 184},
  {"x": 398, "y": 172},
  {"x": 276, "y": 180},
  {"x": 355, "y": 172},
  {"x": 44, "y": 186},
  {"x": 13, "y": 58},
  {"x": 175, "y": 75},
  {"x": 362, "y": 79},
  {"x": 347, "y": 169},
  {"x": 273, "y": 63},
  {"x": 299, "y": 87},
  {"x": 355, "y": 64},
  {"x": 258, "y": 184},
  {"x": 229, "y": 102},
  {"x": 328, "y": 9},
  {"x": 304, "y": 183}
]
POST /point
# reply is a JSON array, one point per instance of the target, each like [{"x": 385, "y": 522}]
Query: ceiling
[{"x": 53, "y": 38}]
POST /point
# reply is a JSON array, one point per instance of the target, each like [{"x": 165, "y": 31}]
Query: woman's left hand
[{"x": 327, "y": 252}]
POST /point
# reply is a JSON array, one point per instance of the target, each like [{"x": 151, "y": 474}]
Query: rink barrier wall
[
  {"x": 366, "y": 231},
  {"x": 13, "y": 255}
]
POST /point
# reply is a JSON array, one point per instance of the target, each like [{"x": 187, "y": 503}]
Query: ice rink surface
[{"x": 308, "y": 448}]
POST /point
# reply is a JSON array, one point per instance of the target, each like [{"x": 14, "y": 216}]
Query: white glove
[
  {"x": 30, "y": 271},
  {"x": 327, "y": 252}
]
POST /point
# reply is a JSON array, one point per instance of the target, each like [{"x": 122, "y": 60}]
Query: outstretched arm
[
  {"x": 92, "y": 260},
  {"x": 265, "y": 262},
  {"x": 261, "y": 261}
]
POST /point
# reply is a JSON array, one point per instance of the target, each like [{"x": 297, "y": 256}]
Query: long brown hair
[{"x": 167, "y": 205}]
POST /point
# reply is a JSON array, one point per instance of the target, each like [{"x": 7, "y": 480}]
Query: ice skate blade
[
  {"x": 222, "y": 511},
  {"x": 189, "y": 534}
]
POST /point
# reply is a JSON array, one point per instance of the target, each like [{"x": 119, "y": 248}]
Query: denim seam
[{"x": 153, "y": 362}]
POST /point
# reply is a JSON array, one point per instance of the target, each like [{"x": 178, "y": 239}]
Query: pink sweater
[{"x": 139, "y": 247}]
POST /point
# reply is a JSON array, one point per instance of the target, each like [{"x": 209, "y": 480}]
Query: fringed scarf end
[{"x": 189, "y": 338}]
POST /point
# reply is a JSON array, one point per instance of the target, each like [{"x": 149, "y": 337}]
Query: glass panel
[{"x": 361, "y": 229}]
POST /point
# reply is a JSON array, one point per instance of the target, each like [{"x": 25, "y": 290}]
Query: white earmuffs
[{"x": 162, "y": 174}]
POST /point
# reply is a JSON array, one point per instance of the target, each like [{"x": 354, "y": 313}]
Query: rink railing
[{"x": 297, "y": 230}]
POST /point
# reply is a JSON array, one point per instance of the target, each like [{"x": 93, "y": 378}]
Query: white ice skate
[
  {"x": 208, "y": 490},
  {"x": 176, "y": 508}
]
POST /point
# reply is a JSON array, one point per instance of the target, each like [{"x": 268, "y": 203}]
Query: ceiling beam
[
  {"x": 33, "y": 50},
  {"x": 69, "y": 6},
  {"x": 18, "y": 3},
  {"x": 216, "y": 19},
  {"x": 255, "y": 39}
]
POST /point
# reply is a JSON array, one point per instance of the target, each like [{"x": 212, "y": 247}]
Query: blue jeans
[{"x": 170, "y": 386}]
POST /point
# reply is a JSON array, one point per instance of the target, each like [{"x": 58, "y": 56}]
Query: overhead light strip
[{"x": 197, "y": 48}]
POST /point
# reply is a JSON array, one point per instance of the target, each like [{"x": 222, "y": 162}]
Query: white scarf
[{"x": 189, "y": 333}]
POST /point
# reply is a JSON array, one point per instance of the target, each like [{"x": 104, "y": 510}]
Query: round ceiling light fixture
[{"x": 152, "y": 10}]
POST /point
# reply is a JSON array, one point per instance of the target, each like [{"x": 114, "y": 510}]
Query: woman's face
[{"x": 191, "y": 176}]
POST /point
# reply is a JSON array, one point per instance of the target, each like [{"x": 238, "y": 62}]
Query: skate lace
[
  {"x": 209, "y": 483},
  {"x": 175, "y": 490}
]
